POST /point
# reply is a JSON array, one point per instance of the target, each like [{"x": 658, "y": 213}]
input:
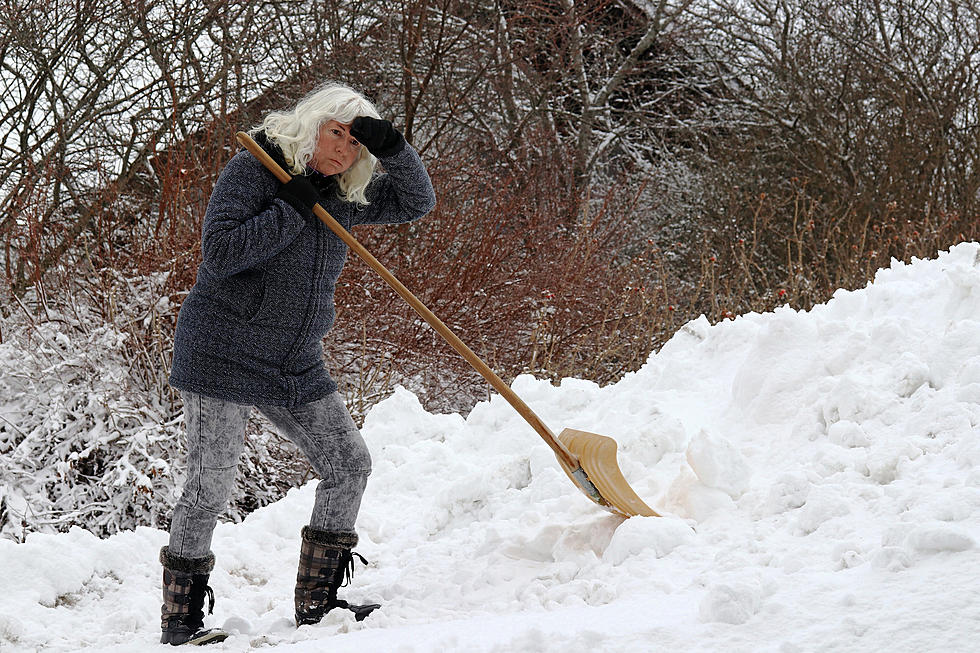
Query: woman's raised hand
[{"x": 379, "y": 136}]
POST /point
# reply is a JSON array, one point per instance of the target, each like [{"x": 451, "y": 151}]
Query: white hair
[{"x": 296, "y": 133}]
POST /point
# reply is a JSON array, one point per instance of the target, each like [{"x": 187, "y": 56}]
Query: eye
[{"x": 354, "y": 143}]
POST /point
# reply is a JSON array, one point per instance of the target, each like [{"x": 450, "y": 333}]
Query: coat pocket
[{"x": 242, "y": 293}]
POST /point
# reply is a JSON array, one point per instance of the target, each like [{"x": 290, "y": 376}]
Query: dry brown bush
[
  {"x": 526, "y": 273},
  {"x": 781, "y": 250}
]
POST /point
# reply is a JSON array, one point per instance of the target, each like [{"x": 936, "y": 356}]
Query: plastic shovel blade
[{"x": 597, "y": 456}]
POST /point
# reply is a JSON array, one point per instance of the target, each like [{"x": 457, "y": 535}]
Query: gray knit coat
[{"x": 250, "y": 330}]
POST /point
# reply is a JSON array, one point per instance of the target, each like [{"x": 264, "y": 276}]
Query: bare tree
[
  {"x": 91, "y": 90},
  {"x": 855, "y": 122},
  {"x": 875, "y": 98}
]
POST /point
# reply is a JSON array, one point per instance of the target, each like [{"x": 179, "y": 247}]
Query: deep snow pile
[{"x": 821, "y": 472}]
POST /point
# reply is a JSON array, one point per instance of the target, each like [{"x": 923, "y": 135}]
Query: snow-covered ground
[{"x": 820, "y": 473}]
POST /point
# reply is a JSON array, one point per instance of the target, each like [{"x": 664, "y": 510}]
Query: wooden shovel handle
[{"x": 522, "y": 408}]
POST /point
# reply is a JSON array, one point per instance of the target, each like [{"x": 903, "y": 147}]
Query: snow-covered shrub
[{"x": 90, "y": 433}]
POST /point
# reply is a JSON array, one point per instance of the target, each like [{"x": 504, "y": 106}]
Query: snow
[{"x": 819, "y": 473}]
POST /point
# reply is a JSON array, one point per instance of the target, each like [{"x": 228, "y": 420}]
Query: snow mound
[{"x": 819, "y": 473}]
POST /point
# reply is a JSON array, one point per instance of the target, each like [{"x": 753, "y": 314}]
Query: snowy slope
[{"x": 821, "y": 472}]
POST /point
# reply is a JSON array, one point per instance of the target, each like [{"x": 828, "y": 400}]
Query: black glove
[
  {"x": 300, "y": 194},
  {"x": 379, "y": 136}
]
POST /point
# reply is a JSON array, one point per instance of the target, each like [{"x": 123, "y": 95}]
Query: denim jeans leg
[
  {"x": 325, "y": 432},
  {"x": 215, "y": 437}
]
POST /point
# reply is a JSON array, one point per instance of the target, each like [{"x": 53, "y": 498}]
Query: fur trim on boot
[
  {"x": 186, "y": 565},
  {"x": 330, "y": 539}
]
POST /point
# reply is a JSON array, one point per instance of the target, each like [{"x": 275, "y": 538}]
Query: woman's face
[{"x": 336, "y": 150}]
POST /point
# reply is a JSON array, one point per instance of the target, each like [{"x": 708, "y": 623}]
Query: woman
[{"x": 249, "y": 335}]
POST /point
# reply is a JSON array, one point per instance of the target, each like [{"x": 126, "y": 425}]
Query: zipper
[{"x": 312, "y": 306}]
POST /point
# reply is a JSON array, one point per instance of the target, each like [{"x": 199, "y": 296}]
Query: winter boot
[
  {"x": 326, "y": 563},
  {"x": 185, "y": 585}
]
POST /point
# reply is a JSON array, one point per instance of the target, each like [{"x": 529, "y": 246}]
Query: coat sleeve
[
  {"x": 401, "y": 194},
  {"x": 245, "y": 224}
]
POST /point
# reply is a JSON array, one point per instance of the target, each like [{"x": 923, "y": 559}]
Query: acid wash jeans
[{"x": 323, "y": 430}]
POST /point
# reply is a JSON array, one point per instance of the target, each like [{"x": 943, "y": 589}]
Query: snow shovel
[{"x": 588, "y": 459}]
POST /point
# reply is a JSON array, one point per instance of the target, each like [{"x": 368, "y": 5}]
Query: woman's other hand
[{"x": 300, "y": 194}]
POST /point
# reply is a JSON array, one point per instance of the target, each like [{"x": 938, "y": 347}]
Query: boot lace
[{"x": 348, "y": 565}]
